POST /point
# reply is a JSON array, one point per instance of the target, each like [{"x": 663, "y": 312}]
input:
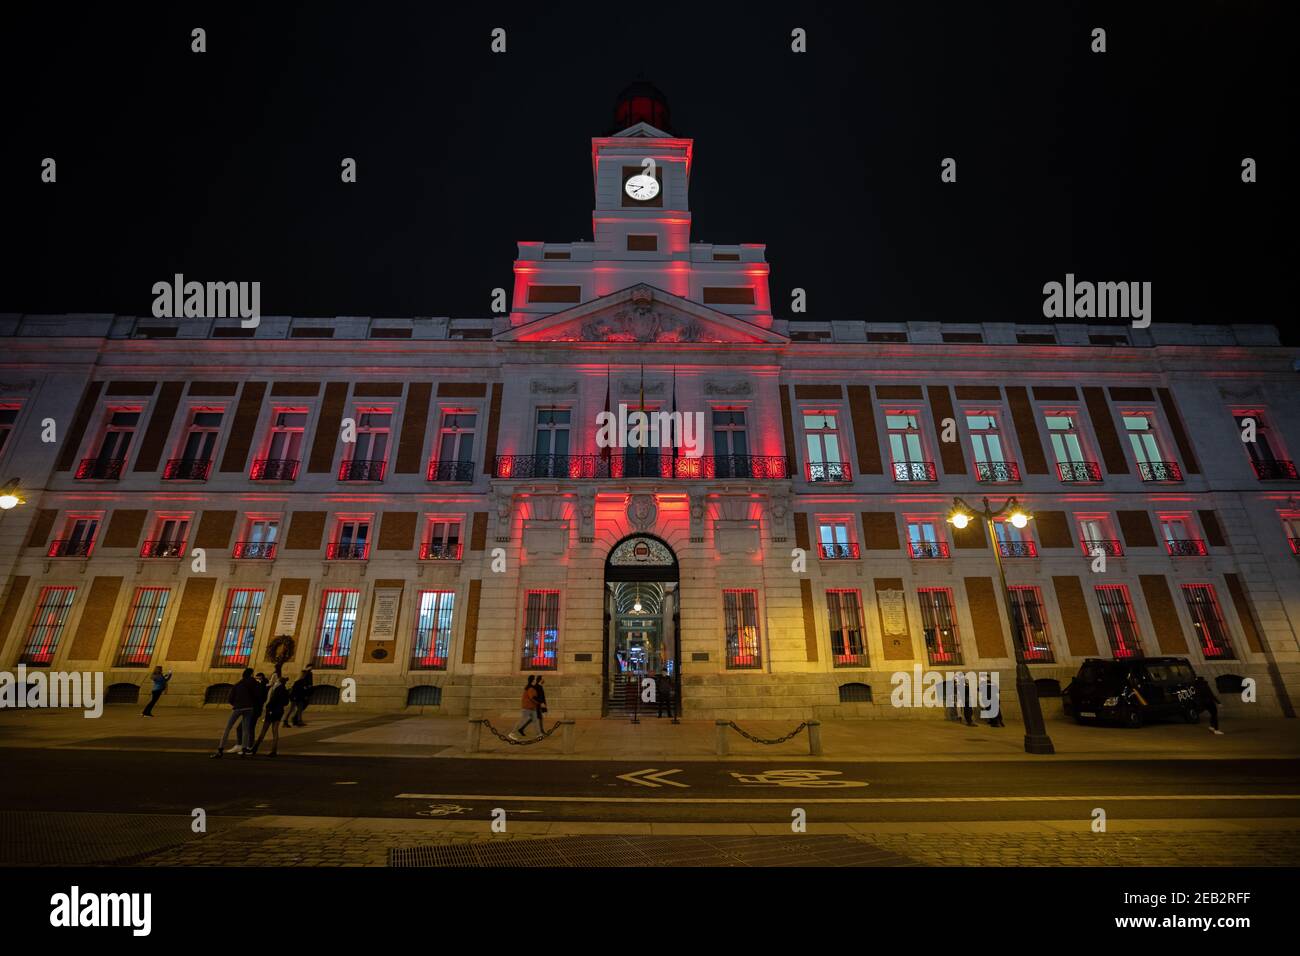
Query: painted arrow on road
[{"x": 652, "y": 778}]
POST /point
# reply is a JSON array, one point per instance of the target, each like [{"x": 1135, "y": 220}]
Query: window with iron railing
[
  {"x": 198, "y": 447},
  {"x": 338, "y": 620},
  {"x": 1120, "y": 621},
  {"x": 1181, "y": 542},
  {"x": 1014, "y": 542},
  {"x": 168, "y": 539},
  {"x": 906, "y": 448},
  {"x": 1207, "y": 621},
  {"x": 924, "y": 539},
  {"x": 825, "y": 462},
  {"x": 368, "y": 458},
  {"x": 1267, "y": 457},
  {"x": 259, "y": 541},
  {"x": 1072, "y": 462},
  {"x": 835, "y": 539},
  {"x": 1153, "y": 465},
  {"x": 848, "y": 640},
  {"x": 243, "y": 610},
  {"x": 1030, "y": 624},
  {"x": 433, "y": 623},
  {"x": 443, "y": 541},
  {"x": 351, "y": 541},
  {"x": 109, "y": 461},
  {"x": 541, "y": 639},
  {"x": 993, "y": 465},
  {"x": 455, "y": 450},
  {"x": 740, "y": 618},
  {"x": 1096, "y": 536},
  {"x": 143, "y": 623},
  {"x": 52, "y": 609},
  {"x": 78, "y": 539},
  {"x": 939, "y": 625},
  {"x": 283, "y": 452}
]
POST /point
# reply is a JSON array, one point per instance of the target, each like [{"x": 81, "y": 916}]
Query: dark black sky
[{"x": 1122, "y": 166}]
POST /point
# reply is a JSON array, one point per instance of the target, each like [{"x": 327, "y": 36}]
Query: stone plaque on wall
[
  {"x": 290, "y": 607},
  {"x": 383, "y": 616}
]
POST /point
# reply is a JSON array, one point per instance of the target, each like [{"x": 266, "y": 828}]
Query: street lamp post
[{"x": 1036, "y": 739}]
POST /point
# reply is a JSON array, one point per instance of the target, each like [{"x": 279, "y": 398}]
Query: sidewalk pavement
[{"x": 335, "y": 731}]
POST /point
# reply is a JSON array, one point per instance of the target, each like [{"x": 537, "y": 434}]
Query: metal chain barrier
[
  {"x": 519, "y": 743},
  {"x": 759, "y": 740}
]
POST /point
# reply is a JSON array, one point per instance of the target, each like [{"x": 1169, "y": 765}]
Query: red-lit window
[
  {"x": 1097, "y": 534},
  {"x": 1267, "y": 455},
  {"x": 992, "y": 460},
  {"x": 1181, "y": 538},
  {"x": 368, "y": 456},
  {"x": 1014, "y": 542},
  {"x": 906, "y": 446},
  {"x": 744, "y": 642},
  {"x": 351, "y": 539},
  {"x": 1207, "y": 619},
  {"x": 848, "y": 642},
  {"x": 454, "y": 459},
  {"x": 78, "y": 538},
  {"x": 8, "y": 418},
  {"x": 1153, "y": 462},
  {"x": 1030, "y": 621},
  {"x": 282, "y": 452},
  {"x": 168, "y": 538},
  {"x": 939, "y": 624},
  {"x": 143, "y": 622},
  {"x": 52, "y": 609},
  {"x": 442, "y": 541},
  {"x": 260, "y": 535},
  {"x": 238, "y": 627},
  {"x": 338, "y": 619},
  {"x": 541, "y": 631},
  {"x": 1121, "y": 623},
  {"x": 198, "y": 446},
  {"x": 825, "y": 461},
  {"x": 113, "y": 445},
  {"x": 433, "y": 622},
  {"x": 835, "y": 537},
  {"x": 924, "y": 537}
]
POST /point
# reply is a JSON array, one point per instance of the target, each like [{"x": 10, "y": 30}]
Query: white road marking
[
  {"x": 802, "y": 799},
  {"x": 652, "y": 778}
]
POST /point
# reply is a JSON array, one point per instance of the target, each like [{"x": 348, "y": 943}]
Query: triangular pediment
[
  {"x": 642, "y": 129},
  {"x": 642, "y": 313}
]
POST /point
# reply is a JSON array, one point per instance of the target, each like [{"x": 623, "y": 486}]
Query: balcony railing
[
  {"x": 67, "y": 548},
  {"x": 1018, "y": 549},
  {"x": 830, "y": 471},
  {"x": 187, "y": 469},
  {"x": 441, "y": 551},
  {"x": 1160, "y": 471},
  {"x": 1078, "y": 471},
  {"x": 101, "y": 469},
  {"x": 645, "y": 464},
  {"x": 1108, "y": 546},
  {"x": 451, "y": 471},
  {"x": 997, "y": 472},
  {"x": 346, "y": 552},
  {"x": 839, "y": 551},
  {"x": 1274, "y": 470},
  {"x": 1186, "y": 547},
  {"x": 163, "y": 548},
  {"x": 363, "y": 469},
  {"x": 264, "y": 550},
  {"x": 928, "y": 549},
  {"x": 275, "y": 469},
  {"x": 915, "y": 471}
]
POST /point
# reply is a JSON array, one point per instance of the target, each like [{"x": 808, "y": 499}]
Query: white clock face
[{"x": 642, "y": 187}]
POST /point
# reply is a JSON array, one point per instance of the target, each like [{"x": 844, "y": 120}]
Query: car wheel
[
  {"x": 1132, "y": 718},
  {"x": 1191, "y": 715}
]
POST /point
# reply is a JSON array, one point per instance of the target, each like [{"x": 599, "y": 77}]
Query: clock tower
[{"x": 641, "y": 229}]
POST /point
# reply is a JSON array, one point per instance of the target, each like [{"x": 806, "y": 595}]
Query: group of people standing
[{"x": 252, "y": 696}]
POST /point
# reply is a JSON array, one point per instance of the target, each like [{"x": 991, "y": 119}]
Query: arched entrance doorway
[{"x": 641, "y": 624}]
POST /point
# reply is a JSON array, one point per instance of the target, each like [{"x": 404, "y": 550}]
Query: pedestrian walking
[
  {"x": 277, "y": 699},
  {"x": 528, "y": 710},
  {"x": 299, "y": 697},
  {"x": 541, "y": 703},
  {"x": 259, "y": 701},
  {"x": 243, "y": 698},
  {"x": 159, "y": 685},
  {"x": 1204, "y": 699}
]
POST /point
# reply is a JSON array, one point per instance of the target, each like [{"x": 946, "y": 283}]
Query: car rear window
[{"x": 1094, "y": 673}]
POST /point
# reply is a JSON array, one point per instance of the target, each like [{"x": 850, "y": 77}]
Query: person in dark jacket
[
  {"x": 541, "y": 704},
  {"x": 276, "y": 701},
  {"x": 159, "y": 685},
  {"x": 1204, "y": 699},
  {"x": 663, "y": 694},
  {"x": 299, "y": 696},
  {"x": 243, "y": 698},
  {"x": 260, "y": 692}
]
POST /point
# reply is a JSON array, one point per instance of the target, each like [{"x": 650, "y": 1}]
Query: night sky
[{"x": 225, "y": 165}]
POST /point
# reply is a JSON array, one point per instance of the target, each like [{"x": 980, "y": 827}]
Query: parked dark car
[{"x": 1132, "y": 692}]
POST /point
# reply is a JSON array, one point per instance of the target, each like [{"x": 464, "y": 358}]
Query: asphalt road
[{"x": 541, "y": 790}]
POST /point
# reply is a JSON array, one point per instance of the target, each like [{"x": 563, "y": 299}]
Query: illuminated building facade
[{"x": 424, "y": 506}]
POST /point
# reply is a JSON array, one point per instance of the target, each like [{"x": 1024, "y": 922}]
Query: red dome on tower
[{"x": 642, "y": 102}]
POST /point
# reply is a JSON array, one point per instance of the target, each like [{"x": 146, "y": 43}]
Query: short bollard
[
  {"x": 567, "y": 736},
  {"x": 722, "y": 726},
  {"x": 815, "y": 737},
  {"x": 471, "y": 742}
]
